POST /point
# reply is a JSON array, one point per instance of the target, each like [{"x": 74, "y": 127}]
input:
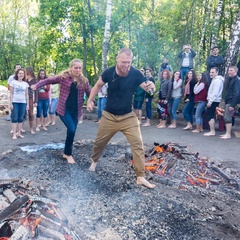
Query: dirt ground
[{"x": 108, "y": 205}]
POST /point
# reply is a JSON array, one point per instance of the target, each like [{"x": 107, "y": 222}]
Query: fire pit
[{"x": 194, "y": 198}]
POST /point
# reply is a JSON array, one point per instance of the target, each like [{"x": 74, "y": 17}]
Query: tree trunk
[
  {"x": 233, "y": 47},
  {"x": 216, "y": 24},
  {"x": 106, "y": 35},
  {"x": 91, "y": 37}
]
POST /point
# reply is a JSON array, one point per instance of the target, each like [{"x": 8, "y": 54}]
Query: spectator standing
[
  {"x": 200, "y": 98},
  {"x": 175, "y": 98},
  {"x": 102, "y": 99},
  {"x": 73, "y": 84},
  {"x": 186, "y": 55},
  {"x": 138, "y": 100},
  {"x": 231, "y": 99},
  {"x": 54, "y": 88},
  {"x": 164, "y": 96},
  {"x": 16, "y": 67},
  {"x": 148, "y": 98},
  {"x": 122, "y": 81},
  {"x": 31, "y": 80},
  {"x": 215, "y": 60},
  {"x": 164, "y": 65},
  {"x": 214, "y": 97},
  {"x": 42, "y": 102},
  {"x": 191, "y": 80},
  {"x": 18, "y": 102}
]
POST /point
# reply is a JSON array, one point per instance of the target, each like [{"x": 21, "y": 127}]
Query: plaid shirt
[{"x": 65, "y": 84}]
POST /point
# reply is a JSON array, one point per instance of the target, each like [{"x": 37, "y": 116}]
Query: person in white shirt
[{"x": 18, "y": 102}]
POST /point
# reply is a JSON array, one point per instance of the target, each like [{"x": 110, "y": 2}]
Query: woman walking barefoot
[
  {"x": 73, "y": 84},
  {"x": 18, "y": 102}
]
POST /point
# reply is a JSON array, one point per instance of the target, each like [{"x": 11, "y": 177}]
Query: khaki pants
[{"x": 128, "y": 124}]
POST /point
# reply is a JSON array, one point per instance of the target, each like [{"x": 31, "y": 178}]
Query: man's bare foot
[
  {"x": 143, "y": 181},
  {"x": 93, "y": 166},
  {"x": 32, "y": 132},
  {"x": 14, "y": 137},
  {"x": 37, "y": 129},
  {"x": 69, "y": 158},
  {"x": 23, "y": 130},
  {"x": 44, "y": 128}
]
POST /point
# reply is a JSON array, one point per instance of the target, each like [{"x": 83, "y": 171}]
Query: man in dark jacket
[
  {"x": 231, "y": 99},
  {"x": 215, "y": 60}
]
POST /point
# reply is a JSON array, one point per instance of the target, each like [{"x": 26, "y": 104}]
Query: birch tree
[
  {"x": 216, "y": 24},
  {"x": 233, "y": 47},
  {"x": 106, "y": 35}
]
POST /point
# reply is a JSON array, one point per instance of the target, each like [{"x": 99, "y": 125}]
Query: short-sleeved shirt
[
  {"x": 121, "y": 90},
  {"x": 19, "y": 91}
]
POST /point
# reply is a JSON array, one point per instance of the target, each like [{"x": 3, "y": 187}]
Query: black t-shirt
[
  {"x": 121, "y": 90},
  {"x": 72, "y": 100}
]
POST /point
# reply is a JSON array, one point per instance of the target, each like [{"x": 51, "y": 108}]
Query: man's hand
[
  {"x": 90, "y": 105},
  {"x": 209, "y": 105},
  {"x": 231, "y": 109}
]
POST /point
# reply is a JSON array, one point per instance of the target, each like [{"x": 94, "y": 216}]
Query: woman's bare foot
[
  {"x": 32, "y": 132},
  {"x": 14, "y": 137},
  {"x": 19, "y": 135},
  {"x": 38, "y": 129},
  {"x": 69, "y": 158},
  {"x": 44, "y": 128},
  {"x": 93, "y": 166},
  {"x": 143, "y": 181}
]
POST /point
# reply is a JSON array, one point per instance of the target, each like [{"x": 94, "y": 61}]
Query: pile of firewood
[{"x": 26, "y": 214}]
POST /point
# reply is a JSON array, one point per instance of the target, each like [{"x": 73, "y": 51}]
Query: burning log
[
  {"x": 21, "y": 233},
  {"x": 51, "y": 233},
  {"x": 230, "y": 181},
  {"x": 12, "y": 208},
  {"x": 8, "y": 193}
]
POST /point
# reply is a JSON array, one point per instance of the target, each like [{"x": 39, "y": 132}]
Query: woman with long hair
[
  {"x": 18, "y": 102},
  {"x": 176, "y": 98},
  {"x": 200, "y": 98},
  {"x": 164, "y": 96},
  {"x": 31, "y": 80},
  {"x": 190, "y": 81},
  {"x": 73, "y": 84}
]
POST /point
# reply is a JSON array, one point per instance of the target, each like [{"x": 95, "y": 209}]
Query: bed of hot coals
[{"x": 195, "y": 198}]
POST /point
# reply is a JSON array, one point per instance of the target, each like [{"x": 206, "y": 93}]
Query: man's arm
[
  {"x": 97, "y": 87},
  {"x": 147, "y": 86}
]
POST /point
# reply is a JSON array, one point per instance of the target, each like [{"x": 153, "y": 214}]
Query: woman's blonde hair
[{"x": 81, "y": 79}]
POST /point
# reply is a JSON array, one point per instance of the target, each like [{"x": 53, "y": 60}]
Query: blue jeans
[
  {"x": 42, "y": 107},
  {"x": 70, "y": 120},
  {"x": 173, "y": 106},
  {"x": 183, "y": 72},
  {"x": 188, "y": 111},
  {"x": 18, "y": 112},
  {"x": 149, "y": 108},
  {"x": 53, "y": 106},
  {"x": 199, "y": 111},
  {"x": 101, "y": 106}
]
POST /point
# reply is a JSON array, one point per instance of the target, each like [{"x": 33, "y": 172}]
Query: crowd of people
[{"x": 200, "y": 94}]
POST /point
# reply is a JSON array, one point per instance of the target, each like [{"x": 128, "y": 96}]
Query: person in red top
[
  {"x": 42, "y": 96},
  {"x": 200, "y": 98},
  {"x": 73, "y": 85}
]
